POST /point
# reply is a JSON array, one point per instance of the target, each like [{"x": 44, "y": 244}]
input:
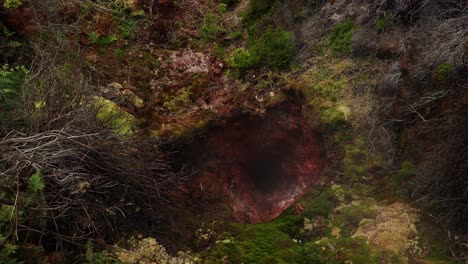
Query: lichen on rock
[
  {"x": 393, "y": 228},
  {"x": 147, "y": 250}
]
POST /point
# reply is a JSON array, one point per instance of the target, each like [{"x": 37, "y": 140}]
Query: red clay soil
[{"x": 260, "y": 165}]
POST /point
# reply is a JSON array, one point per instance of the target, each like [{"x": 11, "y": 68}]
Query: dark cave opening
[
  {"x": 258, "y": 164},
  {"x": 267, "y": 170}
]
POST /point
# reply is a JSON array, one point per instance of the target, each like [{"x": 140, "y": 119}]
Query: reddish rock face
[{"x": 260, "y": 165}]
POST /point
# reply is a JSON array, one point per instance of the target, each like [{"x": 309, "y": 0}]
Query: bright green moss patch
[
  {"x": 254, "y": 244},
  {"x": 112, "y": 115}
]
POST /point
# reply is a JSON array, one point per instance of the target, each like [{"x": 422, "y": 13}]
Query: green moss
[
  {"x": 344, "y": 250},
  {"x": 112, "y": 115},
  {"x": 350, "y": 216},
  {"x": 320, "y": 204},
  {"x": 177, "y": 102},
  {"x": 357, "y": 161},
  {"x": 260, "y": 243},
  {"x": 330, "y": 88},
  {"x": 340, "y": 38},
  {"x": 332, "y": 117}
]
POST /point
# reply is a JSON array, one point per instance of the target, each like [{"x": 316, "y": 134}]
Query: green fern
[
  {"x": 7, "y": 252},
  {"x": 36, "y": 182},
  {"x": 34, "y": 197}
]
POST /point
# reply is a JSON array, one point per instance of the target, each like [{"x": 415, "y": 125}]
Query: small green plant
[
  {"x": 209, "y": 28},
  {"x": 340, "y": 38},
  {"x": 235, "y": 34},
  {"x": 7, "y": 252},
  {"x": 444, "y": 70},
  {"x": 7, "y": 32},
  {"x": 222, "y": 7},
  {"x": 241, "y": 60},
  {"x": 275, "y": 48},
  {"x": 11, "y": 83},
  {"x": 103, "y": 41},
  {"x": 36, "y": 182},
  {"x": 127, "y": 30},
  {"x": 12, "y": 3},
  {"x": 93, "y": 37},
  {"x": 407, "y": 170},
  {"x": 119, "y": 53},
  {"x": 229, "y": 3},
  {"x": 384, "y": 22},
  {"x": 93, "y": 257}
]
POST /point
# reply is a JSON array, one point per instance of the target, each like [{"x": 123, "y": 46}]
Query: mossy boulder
[{"x": 114, "y": 116}]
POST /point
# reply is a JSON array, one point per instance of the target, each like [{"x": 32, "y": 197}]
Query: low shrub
[
  {"x": 340, "y": 38},
  {"x": 241, "y": 60},
  {"x": 258, "y": 9},
  {"x": 275, "y": 48},
  {"x": 209, "y": 28}
]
